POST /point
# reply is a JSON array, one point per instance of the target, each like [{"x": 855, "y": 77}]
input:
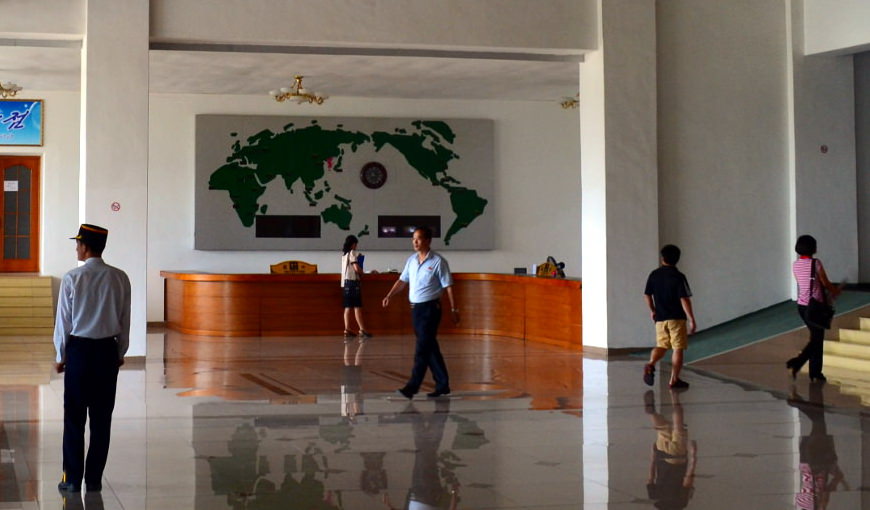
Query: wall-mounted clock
[{"x": 373, "y": 175}]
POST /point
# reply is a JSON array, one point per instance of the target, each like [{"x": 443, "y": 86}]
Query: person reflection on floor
[
  {"x": 351, "y": 382},
  {"x": 671, "y": 480},
  {"x": 373, "y": 478},
  {"x": 92, "y": 501},
  {"x": 819, "y": 471},
  {"x": 434, "y": 484}
]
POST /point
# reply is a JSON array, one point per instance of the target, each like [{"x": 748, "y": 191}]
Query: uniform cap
[{"x": 92, "y": 235}]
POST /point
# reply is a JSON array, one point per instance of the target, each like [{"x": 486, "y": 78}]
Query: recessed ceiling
[
  {"x": 39, "y": 68},
  {"x": 411, "y": 77}
]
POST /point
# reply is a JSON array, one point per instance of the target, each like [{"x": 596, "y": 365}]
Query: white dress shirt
[{"x": 94, "y": 302}]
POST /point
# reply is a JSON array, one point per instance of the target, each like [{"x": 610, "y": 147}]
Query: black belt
[
  {"x": 438, "y": 300},
  {"x": 87, "y": 339}
]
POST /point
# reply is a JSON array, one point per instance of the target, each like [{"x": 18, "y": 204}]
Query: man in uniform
[
  {"x": 428, "y": 275},
  {"x": 91, "y": 336}
]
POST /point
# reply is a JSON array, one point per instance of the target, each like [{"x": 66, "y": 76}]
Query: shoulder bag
[{"x": 819, "y": 313}]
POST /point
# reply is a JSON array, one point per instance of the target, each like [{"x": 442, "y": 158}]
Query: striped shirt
[{"x": 802, "y": 270}]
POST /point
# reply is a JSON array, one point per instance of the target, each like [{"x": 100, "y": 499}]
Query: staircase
[
  {"x": 26, "y": 327},
  {"x": 847, "y": 361}
]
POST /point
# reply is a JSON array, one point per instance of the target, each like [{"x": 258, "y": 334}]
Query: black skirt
[{"x": 352, "y": 294}]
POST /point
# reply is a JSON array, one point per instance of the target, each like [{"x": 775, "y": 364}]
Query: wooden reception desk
[{"x": 542, "y": 310}]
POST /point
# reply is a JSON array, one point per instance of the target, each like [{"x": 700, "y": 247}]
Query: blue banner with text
[{"x": 20, "y": 122}]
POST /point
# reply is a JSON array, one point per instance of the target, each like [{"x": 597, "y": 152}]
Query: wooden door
[{"x": 19, "y": 214}]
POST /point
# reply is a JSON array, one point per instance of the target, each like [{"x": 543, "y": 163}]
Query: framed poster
[{"x": 21, "y": 122}]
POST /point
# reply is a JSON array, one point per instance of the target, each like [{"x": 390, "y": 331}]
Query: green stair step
[
  {"x": 26, "y": 311},
  {"x": 847, "y": 349},
  {"x": 25, "y": 292},
  {"x": 25, "y": 281},
  {"x": 42, "y": 322},
  {"x": 25, "y": 343},
  {"x": 43, "y": 376},
  {"x": 847, "y": 362},
  {"x": 11, "y": 357},
  {"x": 856, "y": 336},
  {"x": 19, "y": 301},
  {"x": 26, "y": 331}
]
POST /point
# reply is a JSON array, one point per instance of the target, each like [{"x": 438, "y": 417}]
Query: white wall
[
  {"x": 620, "y": 220},
  {"x": 836, "y": 26},
  {"x": 862, "y": 144},
  {"x": 723, "y": 180},
  {"x": 544, "y": 25},
  {"x": 59, "y": 180},
  {"x": 536, "y": 202},
  {"x": 43, "y": 19},
  {"x": 825, "y": 201}
]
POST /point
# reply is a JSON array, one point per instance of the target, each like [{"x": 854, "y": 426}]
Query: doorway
[{"x": 19, "y": 223}]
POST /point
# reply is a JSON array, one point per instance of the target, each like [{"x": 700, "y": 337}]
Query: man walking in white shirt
[
  {"x": 91, "y": 336},
  {"x": 427, "y": 275}
]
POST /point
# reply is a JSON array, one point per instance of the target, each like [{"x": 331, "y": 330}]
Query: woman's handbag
[{"x": 819, "y": 313}]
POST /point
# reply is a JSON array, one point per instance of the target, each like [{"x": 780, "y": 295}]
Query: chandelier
[
  {"x": 297, "y": 93},
  {"x": 8, "y": 89},
  {"x": 570, "y": 103}
]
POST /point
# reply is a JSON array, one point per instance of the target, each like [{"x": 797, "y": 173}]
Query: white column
[
  {"x": 822, "y": 173},
  {"x": 619, "y": 175},
  {"x": 114, "y": 139}
]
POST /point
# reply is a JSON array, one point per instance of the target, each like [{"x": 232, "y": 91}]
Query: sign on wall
[
  {"x": 305, "y": 183},
  {"x": 21, "y": 122}
]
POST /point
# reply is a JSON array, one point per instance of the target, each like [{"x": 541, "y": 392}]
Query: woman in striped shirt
[{"x": 802, "y": 269}]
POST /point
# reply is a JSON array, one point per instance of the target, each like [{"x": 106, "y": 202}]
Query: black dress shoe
[
  {"x": 69, "y": 487},
  {"x": 819, "y": 378},
  {"x": 793, "y": 365},
  {"x": 439, "y": 393},
  {"x": 405, "y": 392}
]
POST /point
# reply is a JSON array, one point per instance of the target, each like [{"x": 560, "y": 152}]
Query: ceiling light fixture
[
  {"x": 570, "y": 103},
  {"x": 8, "y": 89},
  {"x": 297, "y": 93}
]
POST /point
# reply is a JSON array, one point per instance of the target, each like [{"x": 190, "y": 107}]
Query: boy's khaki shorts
[
  {"x": 674, "y": 442},
  {"x": 671, "y": 334}
]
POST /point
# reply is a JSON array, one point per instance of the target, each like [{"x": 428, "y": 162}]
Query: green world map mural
[{"x": 308, "y": 182}]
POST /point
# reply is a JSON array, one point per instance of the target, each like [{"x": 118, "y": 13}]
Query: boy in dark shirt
[{"x": 668, "y": 296}]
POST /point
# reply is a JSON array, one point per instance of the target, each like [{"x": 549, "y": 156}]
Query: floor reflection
[
  {"x": 293, "y": 370},
  {"x": 420, "y": 450},
  {"x": 672, "y": 463},
  {"x": 313, "y": 423},
  {"x": 819, "y": 469},
  {"x": 88, "y": 501},
  {"x": 434, "y": 483}
]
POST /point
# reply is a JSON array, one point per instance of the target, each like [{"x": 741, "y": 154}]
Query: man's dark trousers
[
  {"x": 426, "y": 317},
  {"x": 90, "y": 380}
]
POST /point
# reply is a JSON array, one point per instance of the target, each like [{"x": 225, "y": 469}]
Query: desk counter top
[{"x": 533, "y": 308}]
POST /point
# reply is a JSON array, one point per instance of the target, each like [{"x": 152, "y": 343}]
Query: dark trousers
[
  {"x": 426, "y": 484},
  {"x": 427, "y": 354},
  {"x": 814, "y": 350},
  {"x": 89, "y": 383}
]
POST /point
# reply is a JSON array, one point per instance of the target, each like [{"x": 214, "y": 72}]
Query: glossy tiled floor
[{"x": 304, "y": 423}]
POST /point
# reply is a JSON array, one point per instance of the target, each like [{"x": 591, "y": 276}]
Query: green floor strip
[{"x": 757, "y": 326}]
